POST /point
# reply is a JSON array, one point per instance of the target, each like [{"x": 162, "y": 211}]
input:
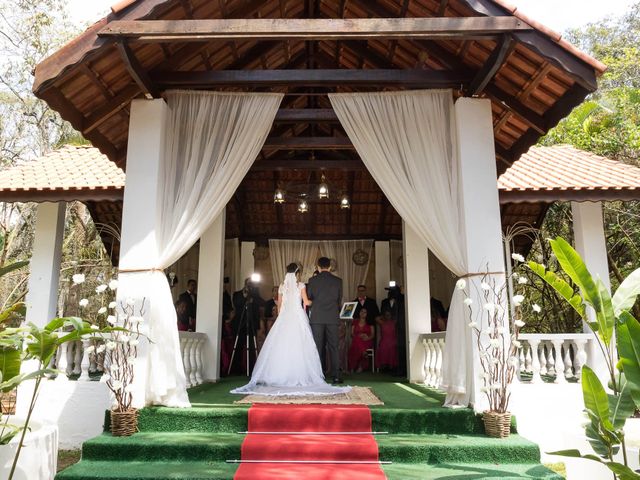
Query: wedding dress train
[{"x": 288, "y": 363}]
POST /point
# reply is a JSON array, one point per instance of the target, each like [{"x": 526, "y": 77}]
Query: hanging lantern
[
  {"x": 278, "y": 197},
  {"x": 323, "y": 189},
  {"x": 303, "y": 206},
  {"x": 344, "y": 203}
]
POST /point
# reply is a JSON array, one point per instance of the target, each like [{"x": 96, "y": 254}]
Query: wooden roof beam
[
  {"x": 306, "y": 164},
  {"x": 315, "y": 77},
  {"x": 136, "y": 70},
  {"x": 490, "y": 68},
  {"x": 311, "y": 28},
  {"x": 300, "y": 115},
  {"x": 308, "y": 143}
]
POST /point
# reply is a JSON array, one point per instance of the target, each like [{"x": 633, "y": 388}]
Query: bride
[{"x": 288, "y": 363}]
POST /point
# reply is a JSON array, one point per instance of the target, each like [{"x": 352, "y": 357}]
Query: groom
[{"x": 325, "y": 292}]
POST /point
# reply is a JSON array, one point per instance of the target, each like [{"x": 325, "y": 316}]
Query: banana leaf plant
[{"x": 618, "y": 334}]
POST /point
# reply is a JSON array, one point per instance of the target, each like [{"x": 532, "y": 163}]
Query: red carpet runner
[{"x": 309, "y": 446}]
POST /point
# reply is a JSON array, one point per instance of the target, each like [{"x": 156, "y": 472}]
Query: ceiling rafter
[
  {"x": 137, "y": 71},
  {"x": 492, "y": 65}
]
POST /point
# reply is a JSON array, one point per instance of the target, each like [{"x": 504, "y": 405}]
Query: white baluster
[
  {"x": 536, "y": 366},
  {"x": 184, "y": 345},
  {"x": 568, "y": 370},
  {"x": 559, "y": 361},
  {"x": 192, "y": 361},
  {"x": 77, "y": 358},
  {"x": 199, "y": 348},
  {"x": 580, "y": 358},
  {"x": 527, "y": 360},
  {"x": 425, "y": 364},
  {"x": 542, "y": 358},
  {"x": 85, "y": 363},
  {"x": 62, "y": 363},
  {"x": 439, "y": 358},
  {"x": 433, "y": 378}
]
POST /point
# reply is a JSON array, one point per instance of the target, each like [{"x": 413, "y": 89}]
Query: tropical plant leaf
[
  {"x": 628, "y": 337},
  {"x": 595, "y": 397},
  {"x": 621, "y": 406},
  {"x": 627, "y": 292},
  {"x": 604, "y": 315},
  {"x": 18, "y": 309},
  {"x": 573, "y": 265},
  {"x": 43, "y": 344},
  {"x": 12, "y": 266},
  {"x": 601, "y": 440},
  {"x": 623, "y": 472},
  {"x": 10, "y": 361},
  {"x": 559, "y": 285}
]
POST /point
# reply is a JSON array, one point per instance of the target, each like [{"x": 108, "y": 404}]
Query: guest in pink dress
[
  {"x": 361, "y": 341},
  {"x": 387, "y": 352}
]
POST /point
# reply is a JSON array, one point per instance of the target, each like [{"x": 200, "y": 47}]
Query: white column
[
  {"x": 383, "y": 270},
  {"x": 417, "y": 305},
  {"x": 210, "y": 285},
  {"x": 44, "y": 267},
  {"x": 481, "y": 208},
  {"x": 247, "y": 262},
  {"x": 588, "y": 232},
  {"x": 138, "y": 238}
]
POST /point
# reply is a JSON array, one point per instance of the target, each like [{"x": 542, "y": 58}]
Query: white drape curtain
[
  {"x": 232, "y": 264},
  {"x": 351, "y": 273},
  {"x": 407, "y": 141},
  {"x": 212, "y": 138},
  {"x": 284, "y": 252}
]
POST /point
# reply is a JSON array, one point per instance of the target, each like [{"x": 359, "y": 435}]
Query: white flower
[
  {"x": 502, "y": 330},
  {"x": 494, "y": 342},
  {"x": 517, "y": 257},
  {"x": 134, "y": 320},
  {"x": 111, "y": 319},
  {"x": 131, "y": 360},
  {"x": 488, "y": 330},
  {"x": 495, "y": 386},
  {"x": 100, "y": 349},
  {"x": 113, "y": 305},
  {"x": 494, "y": 361},
  {"x": 523, "y": 280},
  {"x": 468, "y": 301},
  {"x": 485, "y": 286},
  {"x": 515, "y": 275},
  {"x": 78, "y": 278},
  {"x": 101, "y": 288},
  {"x": 519, "y": 323},
  {"x": 484, "y": 376},
  {"x": 130, "y": 301},
  {"x": 95, "y": 327},
  {"x": 102, "y": 310},
  {"x": 105, "y": 378},
  {"x": 516, "y": 343},
  {"x": 473, "y": 325},
  {"x": 490, "y": 307},
  {"x": 116, "y": 385},
  {"x": 113, "y": 368},
  {"x": 484, "y": 389},
  {"x": 518, "y": 299},
  {"x": 113, "y": 284},
  {"x": 90, "y": 349},
  {"x": 83, "y": 303},
  {"x": 513, "y": 361},
  {"x": 124, "y": 338},
  {"x": 133, "y": 342},
  {"x": 536, "y": 308},
  {"x": 461, "y": 284},
  {"x": 129, "y": 389},
  {"x": 111, "y": 345}
]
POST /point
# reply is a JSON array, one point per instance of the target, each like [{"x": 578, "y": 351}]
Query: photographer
[{"x": 249, "y": 312}]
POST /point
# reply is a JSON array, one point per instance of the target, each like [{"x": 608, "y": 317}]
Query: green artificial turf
[
  {"x": 92, "y": 470},
  {"x": 413, "y": 471}
]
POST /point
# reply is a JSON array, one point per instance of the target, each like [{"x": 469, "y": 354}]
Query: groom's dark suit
[{"x": 325, "y": 292}]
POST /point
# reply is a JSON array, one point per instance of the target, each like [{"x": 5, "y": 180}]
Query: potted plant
[
  {"x": 497, "y": 346},
  {"x": 120, "y": 354},
  {"x": 617, "y": 332}
]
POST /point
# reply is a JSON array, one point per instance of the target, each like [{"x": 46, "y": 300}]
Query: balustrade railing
[
  {"x": 433, "y": 344},
  {"x": 542, "y": 357},
  {"x": 75, "y": 362},
  {"x": 553, "y": 358}
]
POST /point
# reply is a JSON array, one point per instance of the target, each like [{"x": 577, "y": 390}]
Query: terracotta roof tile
[
  {"x": 72, "y": 168},
  {"x": 565, "y": 168}
]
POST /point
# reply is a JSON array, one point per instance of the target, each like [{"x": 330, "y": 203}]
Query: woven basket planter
[
  {"x": 8, "y": 402},
  {"x": 124, "y": 424},
  {"x": 497, "y": 425}
]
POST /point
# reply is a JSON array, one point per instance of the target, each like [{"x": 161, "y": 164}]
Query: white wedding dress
[{"x": 288, "y": 363}]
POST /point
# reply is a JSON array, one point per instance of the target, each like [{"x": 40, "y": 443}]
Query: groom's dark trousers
[{"x": 325, "y": 292}]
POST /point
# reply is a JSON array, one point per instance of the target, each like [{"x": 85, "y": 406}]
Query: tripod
[{"x": 245, "y": 324}]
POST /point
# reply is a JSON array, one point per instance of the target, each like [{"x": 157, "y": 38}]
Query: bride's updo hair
[{"x": 293, "y": 268}]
